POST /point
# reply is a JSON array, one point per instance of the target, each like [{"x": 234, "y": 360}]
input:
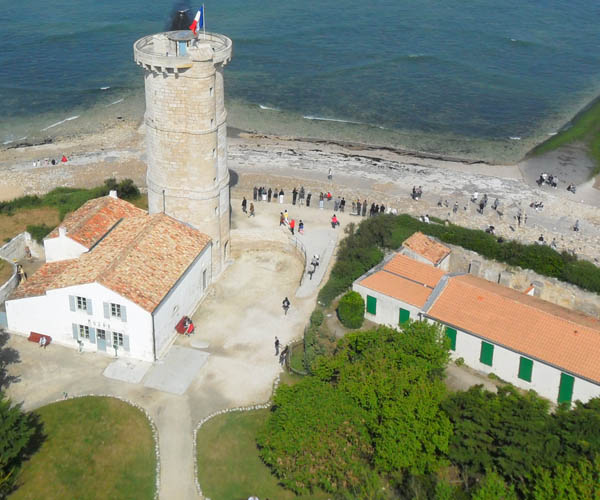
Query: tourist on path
[
  {"x": 330, "y": 174},
  {"x": 294, "y": 196},
  {"x": 308, "y": 197},
  {"x": 277, "y": 346},
  {"x": 285, "y": 215},
  {"x": 364, "y": 208},
  {"x": 269, "y": 194},
  {"x": 301, "y": 227},
  {"x": 286, "y": 305},
  {"x": 321, "y": 197},
  {"x": 255, "y": 194},
  {"x": 343, "y": 204},
  {"x": 292, "y": 225},
  {"x": 251, "y": 214},
  {"x": 244, "y": 203},
  {"x": 334, "y": 221},
  {"x": 281, "y": 193},
  {"x": 281, "y": 219}
]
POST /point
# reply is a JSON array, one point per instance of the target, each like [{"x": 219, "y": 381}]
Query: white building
[
  {"x": 117, "y": 278},
  {"x": 522, "y": 339}
]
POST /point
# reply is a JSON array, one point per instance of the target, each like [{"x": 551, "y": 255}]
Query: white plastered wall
[
  {"x": 62, "y": 248},
  {"x": 50, "y": 314},
  {"x": 182, "y": 300},
  {"x": 545, "y": 379},
  {"x": 388, "y": 308}
]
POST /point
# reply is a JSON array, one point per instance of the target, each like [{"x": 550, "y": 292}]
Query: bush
[
  {"x": 38, "y": 232},
  {"x": 351, "y": 310},
  {"x": 317, "y": 317}
]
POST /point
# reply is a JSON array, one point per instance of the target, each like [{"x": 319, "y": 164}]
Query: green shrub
[
  {"x": 351, "y": 310},
  {"x": 317, "y": 317},
  {"x": 459, "y": 361},
  {"x": 39, "y": 231}
]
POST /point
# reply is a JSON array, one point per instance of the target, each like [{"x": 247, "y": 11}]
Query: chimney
[
  {"x": 112, "y": 193},
  {"x": 62, "y": 231}
]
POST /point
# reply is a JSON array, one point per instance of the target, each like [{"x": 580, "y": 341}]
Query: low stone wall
[
  {"x": 15, "y": 248},
  {"x": 550, "y": 289}
]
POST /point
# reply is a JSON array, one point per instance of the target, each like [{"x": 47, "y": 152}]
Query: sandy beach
[{"x": 380, "y": 175}]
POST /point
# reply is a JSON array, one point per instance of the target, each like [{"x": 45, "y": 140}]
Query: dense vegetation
[
  {"x": 19, "y": 431},
  {"x": 351, "y": 310},
  {"x": 374, "y": 421},
  {"x": 66, "y": 200},
  {"x": 584, "y": 128},
  {"x": 364, "y": 246}
]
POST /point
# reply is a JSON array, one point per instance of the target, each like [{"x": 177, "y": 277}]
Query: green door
[
  {"x": 525, "y": 369},
  {"x": 451, "y": 334},
  {"x": 565, "y": 391},
  {"x": 487, "y": 353},
  {"x": 404, "y": 315},
  {"x": 371, "y": 305}
]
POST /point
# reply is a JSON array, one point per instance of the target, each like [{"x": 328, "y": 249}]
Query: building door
[
  {"x": 565, "y": 390},
  {"x": 101, "y": 339},
  {"x": 404, "y": 316}
]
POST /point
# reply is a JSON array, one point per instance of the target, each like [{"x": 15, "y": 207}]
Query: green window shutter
[
  {"x": 451, "y": 334},
  {"x": 487, "y": 353},
  {"x": 404, "y": 315},
  {"x": 565, "y": 391},
  {"x": 525, "y": 369},
  {"x": 371, "y": 305}
]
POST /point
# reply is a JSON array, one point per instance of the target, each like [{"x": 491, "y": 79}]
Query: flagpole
[{"x": 204, "y": 21}]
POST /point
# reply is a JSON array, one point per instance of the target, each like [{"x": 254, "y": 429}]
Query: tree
[
  {"x": 506, "y": 432},
  {"x": 17, "y": 430},
  {"x": 567, "y": 482},
  {"x": 351, "y": 310},
  {"x": 493, "y": 487}
]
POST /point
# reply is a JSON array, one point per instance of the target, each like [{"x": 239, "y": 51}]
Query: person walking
[
  {"x": 301, "y": 227},
  {"x": 364, "y": 208},
  {"x": 281, "y": 219},
  {"x": 276, "y": 346},
  {"x": 285, "y": 215},
  {"x": 255, "y": 194},
  {"x": 330, "y": 174},
  {"x": 292, "y": 225},
  {"x": 286, "y": 305},
  {"x": 281, "y": 193},
  {"x": 308, "y": 197},
  {"x": 334, "y": 221},
  {"x": 301, "y": 196},
  {"x": 269, "y": 194},
  {"x": 342, "y": 204},
  {"x": 294, "y": 196},
  {"x": 244, "y": 203},
  {"x": 321, "y": 197},
  {"x": 251, "y": 214}
]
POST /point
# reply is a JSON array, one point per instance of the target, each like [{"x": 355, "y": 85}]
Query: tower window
[
  {"x": 212, "y": 91},
  {"x": 214, "y": 153},
  {"x": 212, "y": 122}
]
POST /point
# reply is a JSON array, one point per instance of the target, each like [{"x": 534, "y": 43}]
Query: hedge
[{"x": 363, "y": 248}]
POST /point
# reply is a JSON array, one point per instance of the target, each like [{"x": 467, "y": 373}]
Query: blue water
[{"x": 477, "y": 78}]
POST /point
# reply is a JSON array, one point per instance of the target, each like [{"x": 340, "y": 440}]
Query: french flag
[{"x": 198, "y": 21}]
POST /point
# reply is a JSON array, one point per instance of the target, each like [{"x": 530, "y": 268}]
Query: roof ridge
[
  {"x": 408, "y": 279},
  {"x": 84, "y": 220},
  {"x": 514, "y": 300}
]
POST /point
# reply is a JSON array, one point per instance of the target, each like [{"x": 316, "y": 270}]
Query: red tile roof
[
  {"x": 526, "y": 324},
  {"x": 416, "y": 271},
  {"x": 426, "y": 247},
  {"x": 404, "y": 279},
  {"x": 141, "y": 259},
  {"x": 90, "y": 222}
]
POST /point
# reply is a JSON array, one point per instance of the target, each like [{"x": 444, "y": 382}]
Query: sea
[{"x": 479, "y": 79}]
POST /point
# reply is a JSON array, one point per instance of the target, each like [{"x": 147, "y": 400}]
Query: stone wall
[
  {"x": 550, "y": 289},
  {"x": 15, "y": 248}
]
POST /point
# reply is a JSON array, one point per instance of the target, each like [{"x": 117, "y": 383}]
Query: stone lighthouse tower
[{"x": 186, "y": 137}]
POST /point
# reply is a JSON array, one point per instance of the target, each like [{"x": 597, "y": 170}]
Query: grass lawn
[
  {"x": 229, "y": 467},
  {"x": 11, "y": 225},
  {"x": 585, "y": 129},
  {"x": 95, "y": 448}
]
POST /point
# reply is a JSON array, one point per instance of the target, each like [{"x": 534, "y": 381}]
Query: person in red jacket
[
  {"x": 334, "y": 221},
  {"x": 292, "y": 225}
]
